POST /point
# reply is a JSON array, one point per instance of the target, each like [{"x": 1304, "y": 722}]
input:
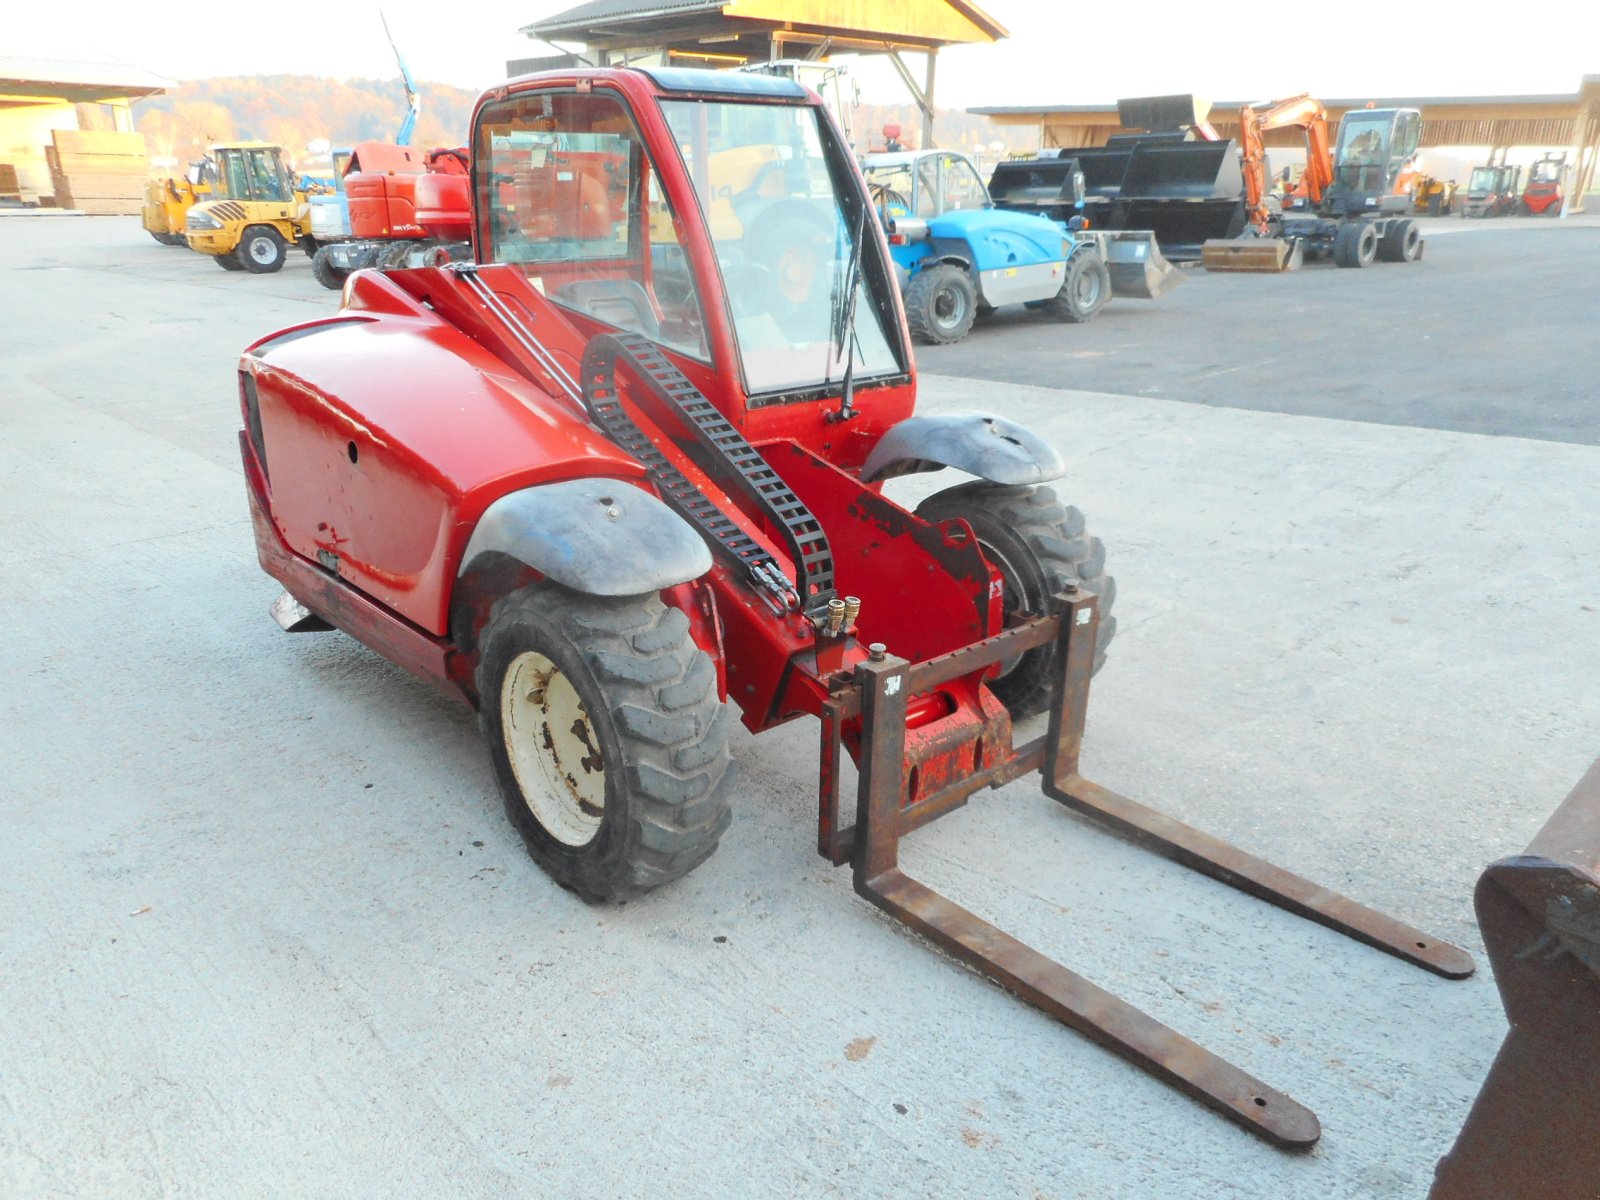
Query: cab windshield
[
  {"x": 1483, "y": 179},
  {"x": 772, "y": 189}
]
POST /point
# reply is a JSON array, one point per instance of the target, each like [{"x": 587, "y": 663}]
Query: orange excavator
[
  {"x": 1349, "y": 202},
  {"x": 1261, "y": 250}
]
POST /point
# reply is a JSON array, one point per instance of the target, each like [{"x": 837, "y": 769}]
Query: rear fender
[
  {"x": 602, "y": 537},
  {"x": 980, "y": 444},
  {"x": 954, "y": 251}
]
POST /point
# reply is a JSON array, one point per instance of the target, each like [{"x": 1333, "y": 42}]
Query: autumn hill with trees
[{"x": 298, "y": 111}]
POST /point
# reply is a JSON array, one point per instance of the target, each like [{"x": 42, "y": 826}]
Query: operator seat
[{"x": 619, "y": 302}]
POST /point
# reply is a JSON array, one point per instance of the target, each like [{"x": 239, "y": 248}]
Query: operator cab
[
  {"x": 1547, "y": 170},
  {"x": 923, "y": 184},
  {"x": 1373, "y": 148},
  {"x": 252, "y": 173},
  {"x": 567, "y": 190}
]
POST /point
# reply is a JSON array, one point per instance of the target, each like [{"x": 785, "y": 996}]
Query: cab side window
[{"x": 566, "y": 190}]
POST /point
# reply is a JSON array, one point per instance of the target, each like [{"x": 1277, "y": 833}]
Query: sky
[{"x": 1052, "y": 57}]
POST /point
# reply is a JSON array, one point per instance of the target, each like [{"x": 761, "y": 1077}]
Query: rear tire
[
  {"x": 606, "y": 735},
  {"x": 229, "y": 261},
  {"x": 941, "y": 302},
  {"x": 261, "y": 250},
  {"x": 1356, "y": 244},
  {"x": 1084, "y": 292},
  {"x": 324, "y": 271},
  {"x": 1403, "y": 242},
  {"x": 1039, "y": 545}
]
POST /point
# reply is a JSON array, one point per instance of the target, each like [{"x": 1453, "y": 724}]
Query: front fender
[
  {"x": 602, "y": 537},
  {"x": 980, "y": 444}
]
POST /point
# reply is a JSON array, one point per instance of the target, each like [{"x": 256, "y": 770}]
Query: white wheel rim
[
  {"x": 553, "y": 749},
  {"x": 261, "y": 249}
]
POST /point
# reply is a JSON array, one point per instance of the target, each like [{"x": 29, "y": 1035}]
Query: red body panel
[
  {"x": 1541, "y": 197},
  {"x": 444, "y": 206},
  {"x": 381, "y": 189},
  {"x": 382, "y": 206},
  {"x": 409, "y": 432}
]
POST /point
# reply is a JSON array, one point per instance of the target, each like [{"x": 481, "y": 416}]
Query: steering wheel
[{"x": 749, "y": 286}]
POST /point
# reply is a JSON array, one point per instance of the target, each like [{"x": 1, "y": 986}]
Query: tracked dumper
[{"x": 618, "y": 482}]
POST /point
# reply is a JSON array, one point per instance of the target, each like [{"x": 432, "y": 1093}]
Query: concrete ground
[
  {"x": 1493, "y": 333},
  {"x": 267, "y": 932}
]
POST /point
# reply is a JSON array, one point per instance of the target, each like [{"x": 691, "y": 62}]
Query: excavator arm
[{"x": 1302, "y": 111}]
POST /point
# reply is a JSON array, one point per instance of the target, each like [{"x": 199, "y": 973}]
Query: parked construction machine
[
  {"x": 1433, "y": 197},
  {"x": 255, "y": 214},
  {"x": 1492, "y": 189},
  {"x": 167, "y": 201},
  {"x": 1355, "y": 197},
  {"x": 1543, "y": 196},
  {"x": 959, "y": 253},
  {"x": 397, "y": 212},
  {"x": 613, "y": 518}
]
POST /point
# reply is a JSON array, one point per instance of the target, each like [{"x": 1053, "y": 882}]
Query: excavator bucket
[
  {"x": 873, "y": 706},
  {"x": 1251, "y": 254},
  {"x": 1531, "y": 1132},
  {"x": 1137, "y": 266}
]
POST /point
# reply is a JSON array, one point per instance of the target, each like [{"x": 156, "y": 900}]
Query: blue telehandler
[{"x": 960, "y": 255}]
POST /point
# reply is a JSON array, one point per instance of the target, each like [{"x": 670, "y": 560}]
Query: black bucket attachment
[
  {"x": 1048, "y": 187},
  {"x": 1531, "y": 1132},
  {"x": 1157, "y": 113},
  {"x": 1184, "y": 192},
  {"x": 1134, "y": 260}
]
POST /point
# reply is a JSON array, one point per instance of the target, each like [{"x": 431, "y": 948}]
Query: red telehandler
[{"x": 619, "y": 482}]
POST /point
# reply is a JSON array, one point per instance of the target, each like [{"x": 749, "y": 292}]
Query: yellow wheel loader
[
  {"x": 257, "y": 212},
  {"x": 167, "y": 201}
]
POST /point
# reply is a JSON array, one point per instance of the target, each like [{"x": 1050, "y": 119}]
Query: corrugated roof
[
  {"x": 1223, "y": 106},
  {"x": 81, "y": 72},
  {"x": 585, "y": 17},
  {"x": 614, "y": 10}
]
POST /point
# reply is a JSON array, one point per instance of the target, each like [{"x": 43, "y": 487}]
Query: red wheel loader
[{"x": 618, "y": 482}]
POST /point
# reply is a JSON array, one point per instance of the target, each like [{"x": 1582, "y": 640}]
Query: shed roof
[
  {"x": 79, "y": 80},
  {"x": 843, "y": 24}
]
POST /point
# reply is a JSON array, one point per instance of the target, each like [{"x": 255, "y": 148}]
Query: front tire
[
  {"x": 941, "y": 302},
  {"x": 607, "y": 738},
  {"x": 1084, "y": 292},
  {"x": 229, "y": 261},
  {"x": 325, "y": 273},
  {"x": 1039, "y": 545},
  {"x": 261, "y": 250}
]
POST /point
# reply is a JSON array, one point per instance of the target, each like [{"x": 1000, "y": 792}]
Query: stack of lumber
[
  {"x": 98, "y": 172},
  {"x": 8, "y": 183}
]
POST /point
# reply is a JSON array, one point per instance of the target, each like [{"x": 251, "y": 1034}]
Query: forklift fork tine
[
  {"x": 1094, "y": 1012},
  {"x": 884, "y": 687}
]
